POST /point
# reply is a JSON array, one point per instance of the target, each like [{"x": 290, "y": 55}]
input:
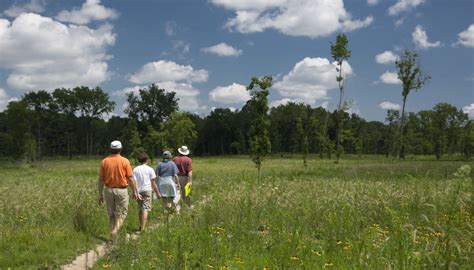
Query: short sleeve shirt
[
  {"x": 143, "y": 174},
  {"x": 166, "y": 168},
  {"x": 184, "y": 164},
  {"x": 115, "y": 171}
]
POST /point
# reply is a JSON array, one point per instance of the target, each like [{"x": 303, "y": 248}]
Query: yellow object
[{"x": 187, "y": 189}]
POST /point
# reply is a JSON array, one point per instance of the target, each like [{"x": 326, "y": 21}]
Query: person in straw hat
[{"x": 185, "y": 173}]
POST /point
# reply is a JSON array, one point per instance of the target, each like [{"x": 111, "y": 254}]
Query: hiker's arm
[
  {"x": 100, "y": 187},
  {"x": 177, "y": 181},
  {"x": 155, "y": 188},
  {"x": 190, "y": 178},
  {"x": 133, "y": 183}
]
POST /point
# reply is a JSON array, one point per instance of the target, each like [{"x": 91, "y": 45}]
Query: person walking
[
  {"x": 115, "y": 174},
  {"x": 168, "y": 181},
  {"x": 185, "y": 173},
  {"x": 146, "y": 182}
]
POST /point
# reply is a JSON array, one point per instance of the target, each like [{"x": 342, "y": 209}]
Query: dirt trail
[{"x": 88, "y": 259}]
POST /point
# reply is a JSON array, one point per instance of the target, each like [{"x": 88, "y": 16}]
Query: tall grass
[{"x": 369, "y": 214}]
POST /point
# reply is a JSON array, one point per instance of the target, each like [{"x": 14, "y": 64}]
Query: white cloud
[
  {"x": 372, "y": 2},
  {"x": 172, "y": 77},
  {"x": 44, "y": 54},
  {"x": 420, "y": 38},
  {"x": 399, "y": 22},
  {"x": 127, "y": 90},
  {"x": 390, "y": 78},
  {"x": 91, "y": 10},
  {"x": 386, "y": 57},
  {"x": 222, "y": 49},
  {"x": 311, "y": 18},
  {"x": 168, "y": 71},
  {"x": 387, "y": 105},
  {"x": 35, "y": 6},
  {"x": 179, "y": 48},
  {"x": 404, "y": 5},
  {"x": 469, "y": 109},
  {"x": 310, "y": 80},
  {"x": 466, "y": 38},
  {"x": 231, "y": 94}
]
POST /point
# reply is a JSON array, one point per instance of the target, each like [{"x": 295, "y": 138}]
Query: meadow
[{"x": 370, "y": 213}]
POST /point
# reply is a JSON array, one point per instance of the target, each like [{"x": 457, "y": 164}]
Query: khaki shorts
[
  {"x": 117, "y": 202},
  {"x": 145, "y": 203},
  {"x": 183, "y": 180}
]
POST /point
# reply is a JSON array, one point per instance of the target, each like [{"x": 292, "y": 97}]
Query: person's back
[
  {"x": 184, "y": 164},
  {"x": 143, "y": 174},
  {"x": 115, "y": 171}
]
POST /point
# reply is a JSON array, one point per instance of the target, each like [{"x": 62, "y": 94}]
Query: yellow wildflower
[
  {"x": 316, "y": 253},
  {"x": 328, "y": 264},
  {"x": 294, "y": 258},
  {"x": 106, "y": 265}
]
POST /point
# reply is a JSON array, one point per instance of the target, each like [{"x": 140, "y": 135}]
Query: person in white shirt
[{"x": 146, "y": 182}]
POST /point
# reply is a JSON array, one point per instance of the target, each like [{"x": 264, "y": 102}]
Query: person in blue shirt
[{"x": 168, "y": 181}]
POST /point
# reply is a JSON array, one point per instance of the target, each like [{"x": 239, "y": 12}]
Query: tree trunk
[
  {"x": 339, "y": 112},
  {"x": 402, "y": 123}
]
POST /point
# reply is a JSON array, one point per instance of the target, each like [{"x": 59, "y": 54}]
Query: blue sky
[{"x": 207, "y": 50}]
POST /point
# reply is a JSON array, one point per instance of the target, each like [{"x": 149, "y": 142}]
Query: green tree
[
  {"x": 178, "y": 130},
  {"x": 340, "y": 53},
  {"x": 259, "y": 143},
  {"x": 151, "y": 106},
  {"x": 412, "y": 78},
  {"x": 18, "y": 120}
]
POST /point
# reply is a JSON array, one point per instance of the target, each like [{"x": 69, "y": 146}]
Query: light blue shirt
[{"x": 166, "y": 168}]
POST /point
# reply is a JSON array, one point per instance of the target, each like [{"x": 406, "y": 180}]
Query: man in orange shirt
[{"x": 116, "y": 173}]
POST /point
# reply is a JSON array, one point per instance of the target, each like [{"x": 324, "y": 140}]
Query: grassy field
[{"x": 359, "y": 214}]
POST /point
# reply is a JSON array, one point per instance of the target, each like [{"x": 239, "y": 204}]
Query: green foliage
[
  {"x": 259, "y": 142},
  {"x": 178, "y": 130},
  {"x": 151, "y": 106}
]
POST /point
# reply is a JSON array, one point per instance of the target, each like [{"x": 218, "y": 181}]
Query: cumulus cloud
[
  {"x": 386, "y": 57},
  {"x": 222, "y": 49},
  {"x": 35, "y": 6},
  {"x": 387, "y": 105},
  {"x": 469, "y": 109},
  {"x": 390, "y": 78},
  {"x": 404, "y": 5},
  {"x": 466, "y": 38},
  {"x": 311, "y": 18},
  {"x": 44, "y": 54},
  {"x": 168, "y": 71},
  {"x": 90, "y": 11},
  {"x": 420, "y": 38},
  {"x": 310, "y": 80},
  {"x": 172, "y": 77},
  {"x": 231, "y": 94}
]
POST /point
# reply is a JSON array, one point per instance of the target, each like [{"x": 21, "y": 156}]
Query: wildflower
[
  {"x": 316, "y": 253},
  {"x": 225, "y": 267},
  {"x": 328, "y": 264},
  {"x": 106, "y": 265},
  {"x": 294, "y": 258},
  {"x": 266, "y": 268},
  {"x": 338, "y": 242},
  {"x": 437, "y": 234},
  {"x": 209, "y": 265}
]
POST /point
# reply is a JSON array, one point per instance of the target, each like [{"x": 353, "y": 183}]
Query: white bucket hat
[
  {"x": 116, "y": 145},
  {"x": 183, "y": 150}
]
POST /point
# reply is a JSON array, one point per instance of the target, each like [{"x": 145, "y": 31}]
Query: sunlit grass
[{"x": 368, "y": 214}]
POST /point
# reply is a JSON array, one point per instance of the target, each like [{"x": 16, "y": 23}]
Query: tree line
[{"x": 70, "y": 122}]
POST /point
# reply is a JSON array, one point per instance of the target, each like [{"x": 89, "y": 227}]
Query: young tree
[
  {"x": 412, "y": 78},
  {"x": 340, "y": 52},
  {"x": 259, "y": 142},
  {"x": 303, "y": 143}
]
